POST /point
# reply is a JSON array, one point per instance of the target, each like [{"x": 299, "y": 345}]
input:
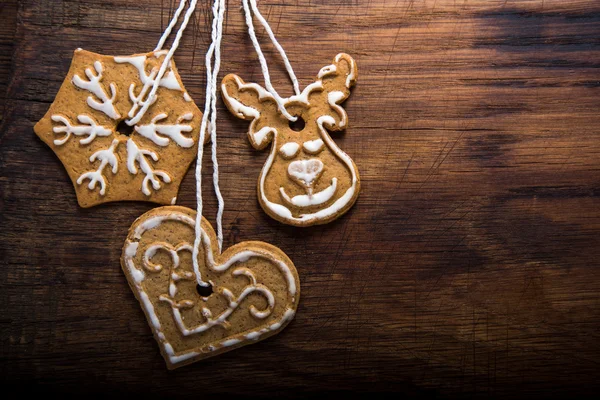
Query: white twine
[
  {"x": 286, "y": 61},
  {"x": 163, "y": 68},
  {"x": 261, "y": 57},
  {"x": 210, "y": 108},
  {"x": 213, "y": 123},
  {"x": 213, "y": 64},
  {"x": 167, "y": 31}
]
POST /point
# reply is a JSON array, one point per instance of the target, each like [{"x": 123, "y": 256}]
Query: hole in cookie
[
  {"x": 204, "y": 291},
  {"x": 124, "y": 129},
  {"x": 297, "y": 125}
]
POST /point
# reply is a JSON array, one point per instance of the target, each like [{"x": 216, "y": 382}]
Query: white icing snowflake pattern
[{"x": 108, "y": 101}]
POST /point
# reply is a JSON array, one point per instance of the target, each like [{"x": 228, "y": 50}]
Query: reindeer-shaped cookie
[{"x": 307, "y": 179}]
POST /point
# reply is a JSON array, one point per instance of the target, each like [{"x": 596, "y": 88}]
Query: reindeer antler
[
  {"x": 337, "y": 79},
  {"x": 251, "y": 102}
]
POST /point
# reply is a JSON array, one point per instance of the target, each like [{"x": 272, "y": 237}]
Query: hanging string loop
[
  {"x": 213, "y": 64},
  {"x": 250, "y": 9},
  {"x": 166, "y": 61}
]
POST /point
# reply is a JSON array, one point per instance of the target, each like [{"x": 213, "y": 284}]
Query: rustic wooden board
[{"x": 469, "y": 265}]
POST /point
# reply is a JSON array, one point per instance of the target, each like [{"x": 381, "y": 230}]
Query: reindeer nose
[{"x": 306, "y": 171}]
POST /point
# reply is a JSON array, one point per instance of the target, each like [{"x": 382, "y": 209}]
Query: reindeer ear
[
  {"x": 251, "y": 102},
  {"x": 337, "y": 80}
]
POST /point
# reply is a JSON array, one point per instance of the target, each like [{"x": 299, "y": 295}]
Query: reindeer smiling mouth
[{"x": 307, "y": 179}]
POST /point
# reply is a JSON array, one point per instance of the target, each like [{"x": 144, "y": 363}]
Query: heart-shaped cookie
[{"x": 248, "y": 293}]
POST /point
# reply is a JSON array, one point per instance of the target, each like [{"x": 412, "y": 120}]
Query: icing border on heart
[{"x": 138, "y": 266}]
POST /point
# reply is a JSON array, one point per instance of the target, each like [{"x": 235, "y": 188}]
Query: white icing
[
  {"x": 234, "y": 302},
  {"x": 174, "y": 276},
  {"x": 260, "y": 136},
  {"x": 156, "y": 221},
  {"x": 285, "y": 213},
  {"x": 230, "y": 342},
  {"x": 161, "y": 134},
  {"x": 153, "y": 318},
  {"x": 175, "y": 359},
  {"x": 134, "y": 153},
  {"x": 174, "y": 200},
  {"x": 333, "y": 98},
  {"x": 150, "y": 308},
  {"x": 172, "y": 288},
  {"x": 91, "y": 129},
  {"x": 92, "y": 85},
  {"x": 306, "y": 171},
  {"x": 278, "y": 209},
  {"x": 168, "y": 81},
  {"x": 287, "y": 316},
  {"x": 352, "y": 74},
  {"x": 137, "y": 274},
  {"x": 151, "y": 252},
  {"x": 239, "y": 109},
  {"x": 187, "y": 97},
  {"x": 303, "y": 97},
  {"x": 137, "y": 61},
  {"x": 262, "y": 92},
  {"x": 246, "y": 272},
  {"x": 327, "y": 70},
  {"x": 222, "y": 318},
  {"x": 267, "y": 311},
  {"x": 255, "y": 335},
  {"x": 131, "y": 249},
  {"x": 289, "y": 149},
  {"x": 244, "y": 255},
  {"x": 313, "y": 146},
  {"x": 172, "y": 131},
  {"x": 311, "y": 199},
  {"x": 106, "y": 157},
  {"x": 244, "y": 111}
]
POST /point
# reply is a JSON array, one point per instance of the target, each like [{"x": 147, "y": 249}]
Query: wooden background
[{"x": 470, "y": 265}]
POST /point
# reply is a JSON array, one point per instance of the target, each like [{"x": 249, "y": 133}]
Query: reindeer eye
[
  {"x": 313, "y": 146},
  {"x": 289, "y": 150}
]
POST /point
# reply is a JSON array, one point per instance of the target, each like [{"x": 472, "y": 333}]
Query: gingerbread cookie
[
  {"x": 248, "y": 293},
  {"x": 100, "y": 92},
  {"x": 307, "y": 179}
]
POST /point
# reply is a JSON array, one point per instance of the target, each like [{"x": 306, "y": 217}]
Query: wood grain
[
  {"x": 468, "y": 267},
  {"x": 8, "y": 16}
]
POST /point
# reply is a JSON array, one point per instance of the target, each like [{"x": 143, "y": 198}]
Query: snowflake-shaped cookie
[{"x": 98, "y": 94}]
